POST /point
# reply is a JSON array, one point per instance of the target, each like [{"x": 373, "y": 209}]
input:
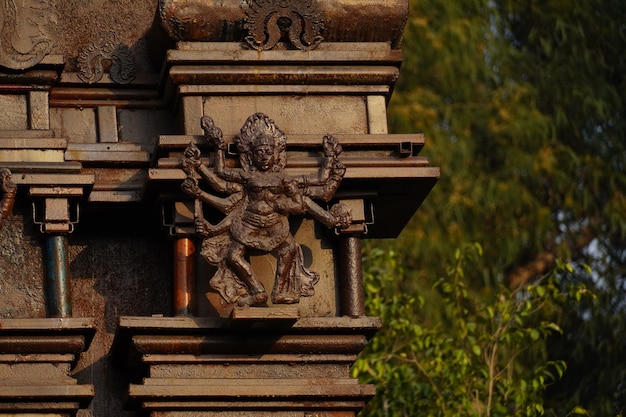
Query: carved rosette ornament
[
  {"x": 25, "y": 32},
  {"x": 257, "y": 200},
  {"x": 267, "y": 21},
  {"x": 93, "y": 57}
]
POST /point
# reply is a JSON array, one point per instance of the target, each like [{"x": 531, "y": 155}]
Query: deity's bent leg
[
  {"x": 286, "y": 289},
  {"x": 292, "y": 278},
  {"x": 237, "y": 262}
]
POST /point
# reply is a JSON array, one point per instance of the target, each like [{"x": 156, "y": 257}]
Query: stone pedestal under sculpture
[{"x": 246, "y": 366}]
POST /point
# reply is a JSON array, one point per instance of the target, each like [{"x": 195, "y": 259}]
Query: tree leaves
[
  {"x": 523, "y": 106},
  {"x": 484, "y": 358}
]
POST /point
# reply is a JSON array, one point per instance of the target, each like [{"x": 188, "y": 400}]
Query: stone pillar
[
  {"x": 315, "y": 72},
  {"x": 37, "y": 354}
]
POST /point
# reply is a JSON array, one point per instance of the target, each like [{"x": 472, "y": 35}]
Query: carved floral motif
[
  {"x": 25, "y": 32},
  {"x": 267, "y": 21},
  {"x": 92, "y": 58},
  {"x": 257, "y": 200}
]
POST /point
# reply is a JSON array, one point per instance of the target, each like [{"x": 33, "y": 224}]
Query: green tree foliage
[
  {"x": 523, "y": 107},
  {"x": 485, "y": 358},
  {"x": 576, "y": 61}
]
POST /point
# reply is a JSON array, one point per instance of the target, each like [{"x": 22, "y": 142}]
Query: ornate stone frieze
[
  {"x": 25, "y": 32},
  {"x": 301, "y": 23},
  {"x": 268, "y": 20},
  {"x": 92, "y": 59}
]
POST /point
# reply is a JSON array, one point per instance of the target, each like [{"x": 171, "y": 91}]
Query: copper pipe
[
  {"x": 184, "y": 277},
  {"x": 351, "y": 276}
]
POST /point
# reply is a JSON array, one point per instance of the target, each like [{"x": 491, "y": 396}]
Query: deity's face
[{"x": 263, "y": 156}]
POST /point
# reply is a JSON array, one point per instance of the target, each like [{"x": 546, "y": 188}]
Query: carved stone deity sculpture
[{"x": 257, "y": 200}]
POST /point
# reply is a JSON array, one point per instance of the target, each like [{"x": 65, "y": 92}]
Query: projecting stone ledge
[
  {"x": 36, "y": 357},
  {"x": 199, "y": 366}
]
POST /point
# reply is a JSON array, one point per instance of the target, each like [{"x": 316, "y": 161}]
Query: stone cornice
[{"x": 343, "y": 20}]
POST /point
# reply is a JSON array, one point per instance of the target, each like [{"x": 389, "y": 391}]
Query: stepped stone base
[
  {"x": 36, "y": 358},
  {"x": 199, "y": 367}
]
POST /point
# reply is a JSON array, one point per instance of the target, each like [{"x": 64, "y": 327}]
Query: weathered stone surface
[{"x": 21, "y": 266}]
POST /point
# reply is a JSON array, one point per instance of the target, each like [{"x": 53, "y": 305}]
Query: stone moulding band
[{"x": 343, "y": 20}]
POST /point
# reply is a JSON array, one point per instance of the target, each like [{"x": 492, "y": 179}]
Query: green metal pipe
[{"x": 58, "y": 290}]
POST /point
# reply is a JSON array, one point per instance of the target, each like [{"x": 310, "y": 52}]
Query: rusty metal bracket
[
  {"x": 53, "y": 217},
  {"x": 360, "y": 221},
  {"x": 177, "y": 218},
  {"x": 405, "y": 149}
]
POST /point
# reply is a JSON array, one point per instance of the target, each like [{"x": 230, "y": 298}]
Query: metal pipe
[
  {"x": 184, "y": 277},
  {"x": 351, "y": 276},
  {"x": 58, "y": 290}
]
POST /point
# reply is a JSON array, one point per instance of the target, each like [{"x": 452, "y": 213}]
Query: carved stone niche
[
  {"x": 235, "y": 60},
  {"x": 379, "y": 174},
  {"x": 261, "y": 196}
]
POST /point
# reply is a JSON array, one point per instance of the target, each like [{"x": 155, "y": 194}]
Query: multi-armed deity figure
[{"x": 260, "y": 196}]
